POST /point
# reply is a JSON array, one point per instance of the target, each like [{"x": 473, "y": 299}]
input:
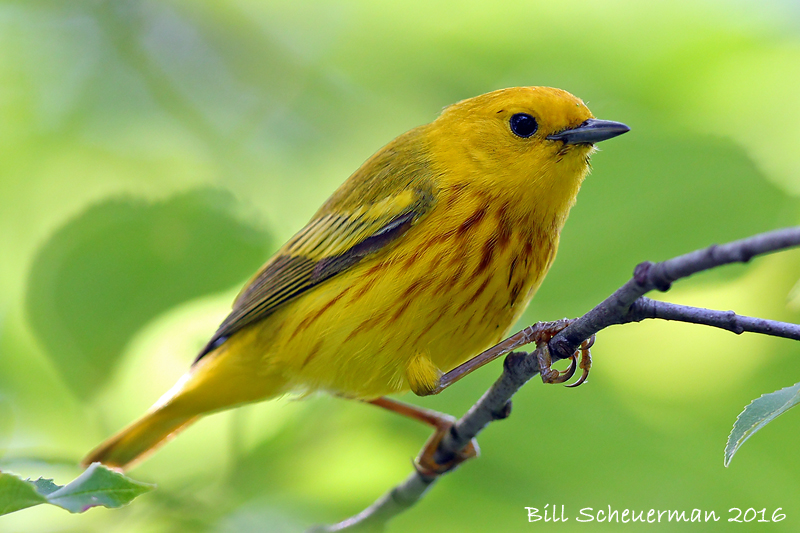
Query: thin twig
[
  {"x": 728, "y": 320},
  {"x": 625, "y": 305},
  {"x": 659, "y": 276}
]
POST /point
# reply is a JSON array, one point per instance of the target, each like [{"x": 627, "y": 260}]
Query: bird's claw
[
  {"x": 551, "y": 375},
  {"x": 586, "y": 360},
  {"x": 426, "y": 463}
]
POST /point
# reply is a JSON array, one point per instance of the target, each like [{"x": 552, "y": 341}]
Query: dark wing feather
[{"x": 326, "y": 247}]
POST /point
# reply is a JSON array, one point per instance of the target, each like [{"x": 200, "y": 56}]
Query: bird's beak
[{"x": 591, "y": 131}]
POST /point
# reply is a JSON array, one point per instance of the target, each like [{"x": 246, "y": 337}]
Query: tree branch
[
  {"x": 625, "y": 305},
  {"x": 646, "y": 308},
  {"x": 660, "y": 276},
  {"x": 394, "y": 502}
]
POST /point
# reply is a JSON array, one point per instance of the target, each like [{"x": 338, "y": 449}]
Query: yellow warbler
[{"x": 425, "y": 256}]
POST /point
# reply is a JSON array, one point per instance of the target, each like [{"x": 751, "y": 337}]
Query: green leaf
[
  {"x": 110, "y": 270},
  {"x": 45, "y": 486},
  {"x": 96, "y": 486},
  {"x": 16, "y": 494},
  {"x": 758, "y": 414}
]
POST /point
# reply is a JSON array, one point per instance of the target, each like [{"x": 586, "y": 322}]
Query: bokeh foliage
[
  {"x": 153, "y": 154},
  {"x": 132, "y": 256}
]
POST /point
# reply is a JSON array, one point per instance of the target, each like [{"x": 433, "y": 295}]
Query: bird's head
[{"x": 534, "y": 139}]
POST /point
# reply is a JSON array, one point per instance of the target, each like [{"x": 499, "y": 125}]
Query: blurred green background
[{"x": 153, "y": 155}]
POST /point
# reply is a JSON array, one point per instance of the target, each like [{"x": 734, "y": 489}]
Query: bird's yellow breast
[{"x": 453, "y": 287}]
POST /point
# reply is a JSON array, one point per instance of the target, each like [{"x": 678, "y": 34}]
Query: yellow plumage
[{"x": 426, "y": 256}]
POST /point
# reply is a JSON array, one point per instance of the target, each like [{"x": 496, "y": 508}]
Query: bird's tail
[
  {"x": 139, "y": 439},
  {"x": 218, "y": 381}
]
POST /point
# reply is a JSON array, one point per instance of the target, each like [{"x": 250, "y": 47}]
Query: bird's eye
[{"x": 523, "y": 125}]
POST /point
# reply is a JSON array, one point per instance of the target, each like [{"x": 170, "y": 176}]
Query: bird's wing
[{"x": 335, "y": 240}]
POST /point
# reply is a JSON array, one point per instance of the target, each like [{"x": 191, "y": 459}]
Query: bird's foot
[
  {"x": 550, "y": 374},
  {"x": 431, "y": 462}
]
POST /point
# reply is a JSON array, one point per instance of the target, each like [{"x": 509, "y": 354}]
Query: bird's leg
[
  {"x": 540, "y": 333},
  {"x": 424, "y": 379},
  {"x": 426, "y": 464}
]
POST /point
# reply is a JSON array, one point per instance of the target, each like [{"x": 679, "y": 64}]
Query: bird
[{"x": 424, "y": 257}]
